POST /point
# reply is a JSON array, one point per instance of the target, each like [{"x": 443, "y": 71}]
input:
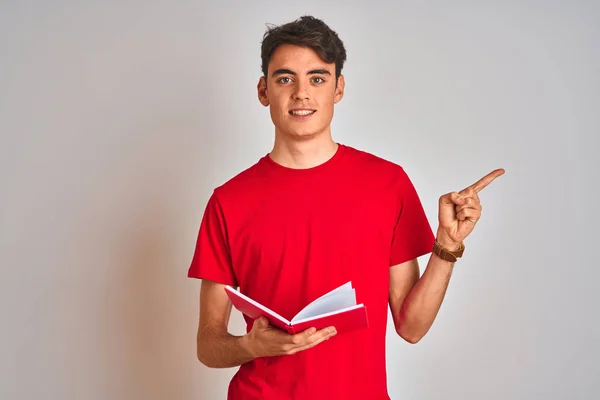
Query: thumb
[
  {"x": 452, "y": 198},
  {"x": 262, "y": 322}
]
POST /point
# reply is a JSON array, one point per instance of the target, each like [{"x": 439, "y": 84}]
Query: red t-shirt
[{"x": 287, "y": 236}]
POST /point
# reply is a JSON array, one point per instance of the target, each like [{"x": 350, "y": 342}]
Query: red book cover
[{"x": 337, "y": 308}]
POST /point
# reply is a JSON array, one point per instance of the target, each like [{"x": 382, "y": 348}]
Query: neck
[{"x": 304, "y": 153}]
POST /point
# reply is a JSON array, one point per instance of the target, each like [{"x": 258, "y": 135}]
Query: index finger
[{"x": 486, "y": 180}]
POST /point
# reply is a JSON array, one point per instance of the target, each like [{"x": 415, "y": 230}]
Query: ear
[
  {"x": 339, "y": 90},
  {"x": 263, "y": 94}
]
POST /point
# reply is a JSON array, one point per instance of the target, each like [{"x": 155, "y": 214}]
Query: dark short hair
[{"x": 307, "y": 31}]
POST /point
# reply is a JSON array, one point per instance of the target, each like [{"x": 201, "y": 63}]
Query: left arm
[{"x": 414, "y": 301}]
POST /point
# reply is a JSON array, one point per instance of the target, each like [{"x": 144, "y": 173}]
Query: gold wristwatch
[{"x": 446, "y": 254}]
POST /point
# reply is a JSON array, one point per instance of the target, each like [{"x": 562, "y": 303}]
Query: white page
[
  {"x": 339, "y": 298},
  {"x": 327, "y": 314},
  {"x": 345, "y": 286}
]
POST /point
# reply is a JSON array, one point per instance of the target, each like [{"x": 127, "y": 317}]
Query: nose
[{"x": 301, "y": 91}]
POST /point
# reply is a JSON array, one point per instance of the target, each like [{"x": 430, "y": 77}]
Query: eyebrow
[{"x": 283, "y": 71}]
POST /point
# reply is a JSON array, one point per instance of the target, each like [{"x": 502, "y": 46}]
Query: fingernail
[
  {"x": 332, "y": 331},
  {"x": 311, "y": 331}
]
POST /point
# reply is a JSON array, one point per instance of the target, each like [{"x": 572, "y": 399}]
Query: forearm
[
  {"x": 217, "y": 349},
  {"x": 423, "y": 302}
]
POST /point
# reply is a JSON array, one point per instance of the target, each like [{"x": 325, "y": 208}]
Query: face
[{"x": 300, "y": 91}]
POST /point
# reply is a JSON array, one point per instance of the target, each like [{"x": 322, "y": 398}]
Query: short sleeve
[
  {"x": 413, "y": 236},
  {"x": 212, "y": 257}
]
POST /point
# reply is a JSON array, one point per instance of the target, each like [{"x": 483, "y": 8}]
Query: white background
[{"x": 117, "y": 119}]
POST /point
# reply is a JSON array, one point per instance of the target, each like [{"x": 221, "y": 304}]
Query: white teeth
[{"x": 302, "y": 112}]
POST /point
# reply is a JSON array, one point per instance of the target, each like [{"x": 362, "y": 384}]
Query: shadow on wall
[
  {"x": 151, "y": 307},
  {"x": 143, "y": 310}
]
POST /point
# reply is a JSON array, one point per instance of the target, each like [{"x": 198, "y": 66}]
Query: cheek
[
  {"x": 327, "y": 109},
  {"x": 276, "y": 110},
  {"x": 278, "y": 107},
  {"x": 276, "y": 114}
]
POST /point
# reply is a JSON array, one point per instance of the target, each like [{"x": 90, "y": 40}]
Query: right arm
[{"x": 217, "y": 348}]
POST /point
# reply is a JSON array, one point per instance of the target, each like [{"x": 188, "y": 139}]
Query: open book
[{"x": 337, "y": 308}]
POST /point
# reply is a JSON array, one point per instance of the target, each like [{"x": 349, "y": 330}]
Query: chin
[{"x": 304, "y": 135}]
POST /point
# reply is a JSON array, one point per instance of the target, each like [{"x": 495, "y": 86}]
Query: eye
[
  {"x": 318, "y": 80},
  {"x": 284, "y": 79}
]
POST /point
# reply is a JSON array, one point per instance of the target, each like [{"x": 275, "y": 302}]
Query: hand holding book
[{"x": 264, "y": 340}]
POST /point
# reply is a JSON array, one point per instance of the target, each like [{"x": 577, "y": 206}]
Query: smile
[{"x": 302, "y": 113}]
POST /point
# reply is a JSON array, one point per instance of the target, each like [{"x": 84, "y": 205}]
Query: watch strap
[{"x": 446, "y": 254}]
